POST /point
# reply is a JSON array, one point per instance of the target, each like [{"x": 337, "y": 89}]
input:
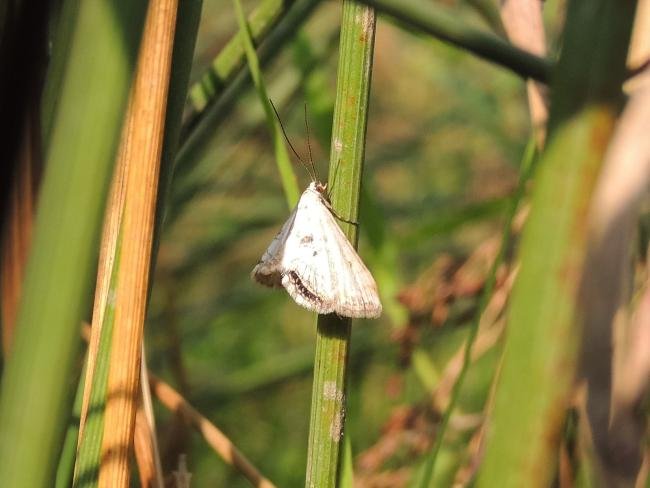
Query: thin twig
[
  {"x": 434, "y": 20},
  {"x": 223, "y": 446},
  {"x": 146, "y": 449}
]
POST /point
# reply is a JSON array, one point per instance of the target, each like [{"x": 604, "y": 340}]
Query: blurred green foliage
[{"x": 445, "y": 135}]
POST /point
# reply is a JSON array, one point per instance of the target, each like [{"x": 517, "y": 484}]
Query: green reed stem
[
  {"x": 346, "y": 158},
  {"x": 232, "y": 57},
  {"x": 83, "y": 135},
  {"x": 540, "y": 356}
]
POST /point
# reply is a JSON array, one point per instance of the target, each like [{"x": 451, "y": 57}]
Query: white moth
[{"x": 314, "y": 261}]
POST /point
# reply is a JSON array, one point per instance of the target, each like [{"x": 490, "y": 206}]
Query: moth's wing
[
  {"x": 323, "y": 272},
  {"x": 356, "y": 291},
  {"x": 268, "y": 270},
  {"x": 307, "y": 274}
]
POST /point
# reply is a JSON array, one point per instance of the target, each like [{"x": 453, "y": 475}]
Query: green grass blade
[
  {"x": 231, "y": 58},
  {"x": 86, "y": 472},
  {"x": 65, "y": 469},
  {"x": 544, "y": 328},
  {"x": 58, "y": 285},
  {"x": 287, "y": 175},
  {"x": 196, "y": 137},
  {"x": 346, "y": 157},
  {"x": 87, "y": 468}
]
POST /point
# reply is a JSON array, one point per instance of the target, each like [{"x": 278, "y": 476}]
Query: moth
[{"x": 315, "y": 262}]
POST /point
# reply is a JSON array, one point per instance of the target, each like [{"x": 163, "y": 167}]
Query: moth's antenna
[
  {"x": 286, "y": 138},
  {"x": 311, "y": 159}
]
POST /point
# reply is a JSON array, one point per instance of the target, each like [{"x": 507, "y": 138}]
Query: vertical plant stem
[
  {"x": 65, "y": 468},
  {"x": 142, "y": 153},
  {"x": 346, "y": 158},
  {"x": 92, "y": 425},
  {"x": 94, "y": 390},
  {"x": 57, "y": 286},
  {"x": 544, "y": 329}
]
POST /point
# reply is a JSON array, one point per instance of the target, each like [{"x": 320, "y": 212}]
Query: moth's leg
[
  {"x": 329, "y": 207},
  {"x": 328, "y": 199},
  {"x": 338, "y": 217}
]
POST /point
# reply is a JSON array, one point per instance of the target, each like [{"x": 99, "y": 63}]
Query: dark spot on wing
[
  {"x": 315, "y": 253},
  {"x": 306, "y": 240},
  {"x": 304, "y": 291}
]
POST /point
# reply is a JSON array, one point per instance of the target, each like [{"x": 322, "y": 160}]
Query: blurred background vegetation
[
  {"x": 446, "y": 134},
  {"x": 448, "y": 137}
]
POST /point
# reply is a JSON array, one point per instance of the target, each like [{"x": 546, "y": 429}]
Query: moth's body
[{"x": 314, "y": 261}]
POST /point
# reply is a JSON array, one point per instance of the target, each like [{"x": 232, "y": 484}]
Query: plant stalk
[
  {"x": 545, "y": 320},
  {"x": 346, "y": 158},
  {"x": 80, "y": 153}
]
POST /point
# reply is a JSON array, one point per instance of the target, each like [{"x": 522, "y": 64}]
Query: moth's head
[{"x": 319, "y": 187}]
